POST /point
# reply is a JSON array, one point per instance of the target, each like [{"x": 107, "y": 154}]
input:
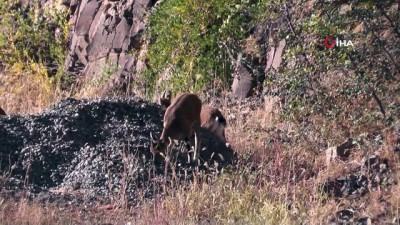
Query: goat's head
[{"x": 157, "y": 145}]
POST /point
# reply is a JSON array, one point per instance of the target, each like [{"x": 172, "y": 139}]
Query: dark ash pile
[{"x": 99, "y": 148}]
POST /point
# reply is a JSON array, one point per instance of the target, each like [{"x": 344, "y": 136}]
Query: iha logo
[{"x": 331, "y": 42}]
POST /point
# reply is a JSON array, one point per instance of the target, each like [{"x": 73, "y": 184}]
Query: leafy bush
[
  {"x": 28, "y": 35},
  {"x": 353, "y": 84},
  {"x": 189, "y": 39}
]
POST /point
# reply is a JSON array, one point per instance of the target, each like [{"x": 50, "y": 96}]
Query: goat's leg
[{"x": 197, "y": 144}]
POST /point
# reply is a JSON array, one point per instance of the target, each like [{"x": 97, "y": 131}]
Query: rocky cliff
[{"x": 107, "y": 35}]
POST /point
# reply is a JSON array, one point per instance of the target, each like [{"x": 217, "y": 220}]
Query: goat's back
[
  {"x": 209, "y": 116},
  {"x": 181, "y": 116},
  {"x": 213, "y": 121}
]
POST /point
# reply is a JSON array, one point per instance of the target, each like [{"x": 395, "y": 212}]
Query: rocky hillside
[{"x": 310, "y": 92}]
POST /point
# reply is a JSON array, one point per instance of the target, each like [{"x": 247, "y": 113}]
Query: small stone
[{"x": 345, "y": 215}]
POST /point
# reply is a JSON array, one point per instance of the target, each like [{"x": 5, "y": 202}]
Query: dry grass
[
  {"x": 24, "y": 212},
  {"x": 283, "y": 187},
  {"x": 25, "y": 91},
  {"x": 277, "y": 180},
  {"x": 27, "y": 212}
]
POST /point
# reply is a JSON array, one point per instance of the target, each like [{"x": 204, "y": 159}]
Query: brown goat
[
  {"x": 213, "y": 120},
  {"x": 181, "y": 118}
]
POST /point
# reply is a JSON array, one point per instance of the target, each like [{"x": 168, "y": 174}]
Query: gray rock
[
  {"x": 243, "y": 83},
  {"x": 103, "y": 36}
]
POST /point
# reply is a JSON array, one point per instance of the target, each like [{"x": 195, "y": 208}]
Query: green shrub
[
  {"x": 343, "y": 83},
  {"x": 28, "y": 36},
  {"x": 190, "y": 39}
]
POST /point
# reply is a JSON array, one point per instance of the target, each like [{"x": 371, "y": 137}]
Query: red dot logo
[{"x": 329, "y": 42}]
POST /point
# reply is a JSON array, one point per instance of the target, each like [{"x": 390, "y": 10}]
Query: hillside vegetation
[
  {"x": 318, "y": 139},
  {"x": 33, "y": 41}
]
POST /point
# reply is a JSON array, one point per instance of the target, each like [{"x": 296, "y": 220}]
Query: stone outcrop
[
  {"x": 261, "y": 54},
  {"x": 106, "y": 39}
]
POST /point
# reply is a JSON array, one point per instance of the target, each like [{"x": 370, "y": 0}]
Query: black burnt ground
[
  {"x": 101, "y": 147},
  {"x": 76, "y": 140}
]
